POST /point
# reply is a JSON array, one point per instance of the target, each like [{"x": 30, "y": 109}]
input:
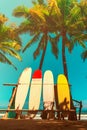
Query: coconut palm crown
[
  {"x": 61, "y": 18},
  {"x": 37, "y": 25}
]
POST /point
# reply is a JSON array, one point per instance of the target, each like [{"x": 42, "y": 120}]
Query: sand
[{"x": 13, "y": 124}]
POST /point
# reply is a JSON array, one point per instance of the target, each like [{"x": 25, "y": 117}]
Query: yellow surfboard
[{"x": 63, "y": 92}]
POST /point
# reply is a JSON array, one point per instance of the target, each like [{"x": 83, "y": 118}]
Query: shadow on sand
[{"x": 42, "y": 125}]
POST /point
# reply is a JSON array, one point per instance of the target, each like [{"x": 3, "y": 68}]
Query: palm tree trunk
[
  {"x": 65, "y": 67},
  {"x": 64, "y": 59},
  {"x": 43, "y": 54}
]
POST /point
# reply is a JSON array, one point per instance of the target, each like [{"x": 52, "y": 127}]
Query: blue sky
[{"x": 77, "y": 69}]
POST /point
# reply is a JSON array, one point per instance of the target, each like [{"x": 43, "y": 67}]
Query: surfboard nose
[{"x": 37, "y": 74}]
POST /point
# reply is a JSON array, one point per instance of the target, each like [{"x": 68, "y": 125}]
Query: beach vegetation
[{"x": 10, "y": 43}]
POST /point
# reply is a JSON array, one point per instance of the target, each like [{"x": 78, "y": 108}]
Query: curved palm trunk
[
  {"x": 65, "y": 66},
  {"x": 43, "y": 54},
  {"x": 66, "y": 74}
]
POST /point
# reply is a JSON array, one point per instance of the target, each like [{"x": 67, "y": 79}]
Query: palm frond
[
  {"x": 28, "y": 27},
  {"x": 10, "y": 51},
  {"x": 82, "y": 43},
  {"x": 70, "y": 46},
  {"x": 76, "y": 39},
  {"x": 54, "y": 42},
  {"x": 11, "y": 44},
  {"x": 36, "y": 13},
  {"x": 38, "y": 1},
  {"x": 55, "y": 49},
  {"x": 41, "y": 2},
  {"x": 21, "y": 11},
  {"x": 84, "y": 55},
  {"x": 24, "y": 27},
  {"x": 75, "y": 14},
  {"x": 53, "y": 7},
  {"x": 33, "y": 40},
  {"x": 39, "y": 47},
  {"x": 3, "y": 19},
  {"x": 4, "y": 59}
]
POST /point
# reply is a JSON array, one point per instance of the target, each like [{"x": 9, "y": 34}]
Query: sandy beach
[{"x": 13, "y": 124}]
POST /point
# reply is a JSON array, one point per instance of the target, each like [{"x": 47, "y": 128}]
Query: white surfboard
[
  {"x": 48, "y": 90},
  {"x": 22, "y": 88},
  {"x": 35, "y": 91}
]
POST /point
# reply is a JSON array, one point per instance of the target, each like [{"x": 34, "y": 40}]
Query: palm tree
[
  {"x": 36, "y": 23},
  {"x": 9, "y": 42},
  {"x": 71, "y": 28}
]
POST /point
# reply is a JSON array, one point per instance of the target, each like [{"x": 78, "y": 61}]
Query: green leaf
[
  {"x": 4, "y": 59},
  {"x": 21, "y": 11},
  {"x": 84, "y": 55}
]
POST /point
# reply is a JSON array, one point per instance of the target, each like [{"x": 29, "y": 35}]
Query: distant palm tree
[
  {"x": 9, "y": 42},
  {"x": 38, "y": 23}
]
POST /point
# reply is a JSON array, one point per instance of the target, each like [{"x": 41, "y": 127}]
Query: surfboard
[
  {"x": 22, "y": 88},
  {"x": 35, "y": 91},
  {"x": 63, "y": 92},
  {"x": 48, "y": 90}
]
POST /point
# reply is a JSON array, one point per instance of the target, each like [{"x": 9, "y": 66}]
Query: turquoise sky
[{"x": 77, "y": 69}]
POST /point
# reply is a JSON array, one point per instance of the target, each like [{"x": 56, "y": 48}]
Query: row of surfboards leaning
[{"x": 42, "y": 84}]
